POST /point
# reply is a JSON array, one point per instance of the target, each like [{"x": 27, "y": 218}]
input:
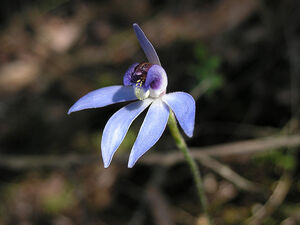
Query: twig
[
  {"x": 229, "y": 174},
  {"x": 250, "y": 146},
  {"x": 20, "y": 162},
  {"x": 16, "y": 162},
  {"x": 230, "y": 149},
  {"x": 273, "y": 202}
]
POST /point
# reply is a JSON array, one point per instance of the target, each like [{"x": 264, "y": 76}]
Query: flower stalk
[{"x": 181, "y": 144}]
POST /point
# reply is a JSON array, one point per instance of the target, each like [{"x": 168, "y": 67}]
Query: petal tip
[
  {"x": 190, "y": 134},
  {"x": 106, "y": 158},
  {"x": 74, "y": 108},
  {"x": 131, "y": 163},
  {"x": 190, "y": 131},
  {"x": 70, "y": 111},
  {"x": 133, "y": 158},
  {"x": 106, "y": 163},
  {"x": 136, "y": 27}
]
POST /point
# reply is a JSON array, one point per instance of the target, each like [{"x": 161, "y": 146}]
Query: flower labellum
[
  {"x": 147, "y": 83},
  {"x": 147, "y": 79}
]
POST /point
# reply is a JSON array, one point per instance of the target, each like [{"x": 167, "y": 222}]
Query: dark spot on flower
[{"x": 140, "y": 73}]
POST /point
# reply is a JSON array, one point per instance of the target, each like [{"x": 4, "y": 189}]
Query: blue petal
[
  {"x": 146, "y": 45},
  {"x": 157, "y": 80},
  {"x": 103, "y": 97},
  {"x": 117, "y": 127},
  {"x": 151, "y": 130},
  {"x": 183, "y": 105}
]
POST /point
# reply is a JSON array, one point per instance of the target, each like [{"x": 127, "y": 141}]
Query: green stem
[{"x": 180, "y": 142}]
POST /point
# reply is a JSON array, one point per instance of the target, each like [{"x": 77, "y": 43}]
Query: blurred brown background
[{"x": 240, "y": 59}]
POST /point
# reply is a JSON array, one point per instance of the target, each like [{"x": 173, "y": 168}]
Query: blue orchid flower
[{"x": 147, "y": 83}]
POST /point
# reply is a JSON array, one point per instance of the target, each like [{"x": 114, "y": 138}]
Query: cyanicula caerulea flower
[{"x": 146, "y": 82}]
